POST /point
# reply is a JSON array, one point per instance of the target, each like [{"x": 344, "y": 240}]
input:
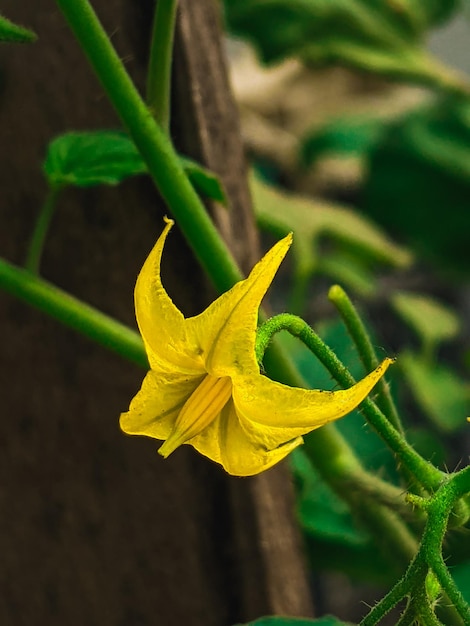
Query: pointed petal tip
[
  {"x": 122, "y": 421},
  {"x": 383, "y": 367}
]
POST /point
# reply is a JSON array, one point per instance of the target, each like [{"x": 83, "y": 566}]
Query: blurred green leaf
[
  {"x": 321, "y": 512},
  {"x": 85, "y": 159},
  {"x": 418, "y": 183},
  {"x": 461, "y": 575},
  {"x": 438, "y": 390},
  {"x": 12, "y": 33},
  {"x": 333, "y": 539},
  {"x": 107, "y": 157},
  {"x": 311, "y": 222},
  {"x": 343, "y": 136},
  {"x": 349, "y": 270},
  {"x": 428, "y": 444},
  {"x": 385, "y": 37},
  {"x": 327, "y": 620},
  {"x": 432, "y": 321}
]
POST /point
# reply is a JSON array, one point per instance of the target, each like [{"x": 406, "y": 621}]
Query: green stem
[
  {"x": 153, "y": 144},
  {"x": 386, "y": 604},
  {"x": 361, "y": 338},
  {"x": 439, "y": 511},
  {"x": 439, "y": 508},
  {"x": 73, "y": 313},
  {"x": 427, "y": 617},
  {"x": 408, "y": 618},
  {"x": 36, "y": 246},
  {"x": 429, "y": 476},
  {"x": 160, "y": 61}
]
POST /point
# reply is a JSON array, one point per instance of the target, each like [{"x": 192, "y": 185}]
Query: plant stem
[
  {"x": 154, "y": 145},
  {"x": 439, "y": 511},
  {"x": 36, "y": 246},
  {"x": 366, "y": 351},
  {"x": 160, "y": 61},
  {"x": 72, "y": 312},
  {"x": 429, "y": 476}
]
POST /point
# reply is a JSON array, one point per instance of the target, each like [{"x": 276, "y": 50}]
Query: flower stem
[
  {"x": 153, "y": 144},
  {"x": 160, "y": 61},
  {"x": 429, "y": 476},
  {"x": 36, "y": 246},
  {"x": 72, "y": 312},
  {"x": 366, "y": 351}
]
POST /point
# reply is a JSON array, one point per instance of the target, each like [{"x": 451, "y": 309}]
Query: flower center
[{"x": 199, "y": 410}]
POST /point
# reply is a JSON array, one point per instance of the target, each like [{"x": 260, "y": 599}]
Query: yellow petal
[
  {"x": 226, "y": 330},
  {"x": 272, "y": 413},
  {"x": 155, "y": 408},
  {"x": 161, "y": 324},
  {"x": 225, "y": 442}
]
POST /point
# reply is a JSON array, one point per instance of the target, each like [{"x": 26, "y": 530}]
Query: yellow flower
[{"x": 205, "y": 387}]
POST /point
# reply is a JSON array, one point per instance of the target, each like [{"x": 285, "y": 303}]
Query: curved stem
[
  {"x": 429, "y": 476},
  {"x": 160, "y": 61},
  {"x": 36, "y": 246},
  {"x": 72, "y": 312},
  {"x": 154, "y": 145},
  {"x": 361, "y": 338}
]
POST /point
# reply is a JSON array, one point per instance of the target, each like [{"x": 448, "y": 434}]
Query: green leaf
[
  {"x": 107, "y": 157},
  {"x": 327, "y": 620},
  {"x": 348, "y": 269},
  {"x": 461, "y": 575},
  {"x": 12, "y": 33},
  {"x": 312, "y": 222},
  {"x": 431, "y": 320},
  {"x": 321, "y": 512},
  {"x": 333, "y": 539},
  {"x": 85, "y": 159},
  {"x": 205, "y": 182},
  {"x": 438, "y": 390},
  {"x": 383, "y": 37},
  {"x": 343, "y": 136},
  {"x": 418, "y": 182},
  {"x": 429, "y": 445}
]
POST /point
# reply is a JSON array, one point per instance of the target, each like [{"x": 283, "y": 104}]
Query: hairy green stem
[
  {"x": 154, "y": 145},
  {"x": 408, "y": 618},
  {"x": 439, "y": 510},
  {"x": 366, "y": 351},
  {"x": 36, "y": 246},
  {"x": 386, "y": 604},
  {"x": 160, "y": 61},
  {"x": 72, "y": 312},
  {"x": 429, "y": 556},
  {"x": 429, "y": 476}
]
